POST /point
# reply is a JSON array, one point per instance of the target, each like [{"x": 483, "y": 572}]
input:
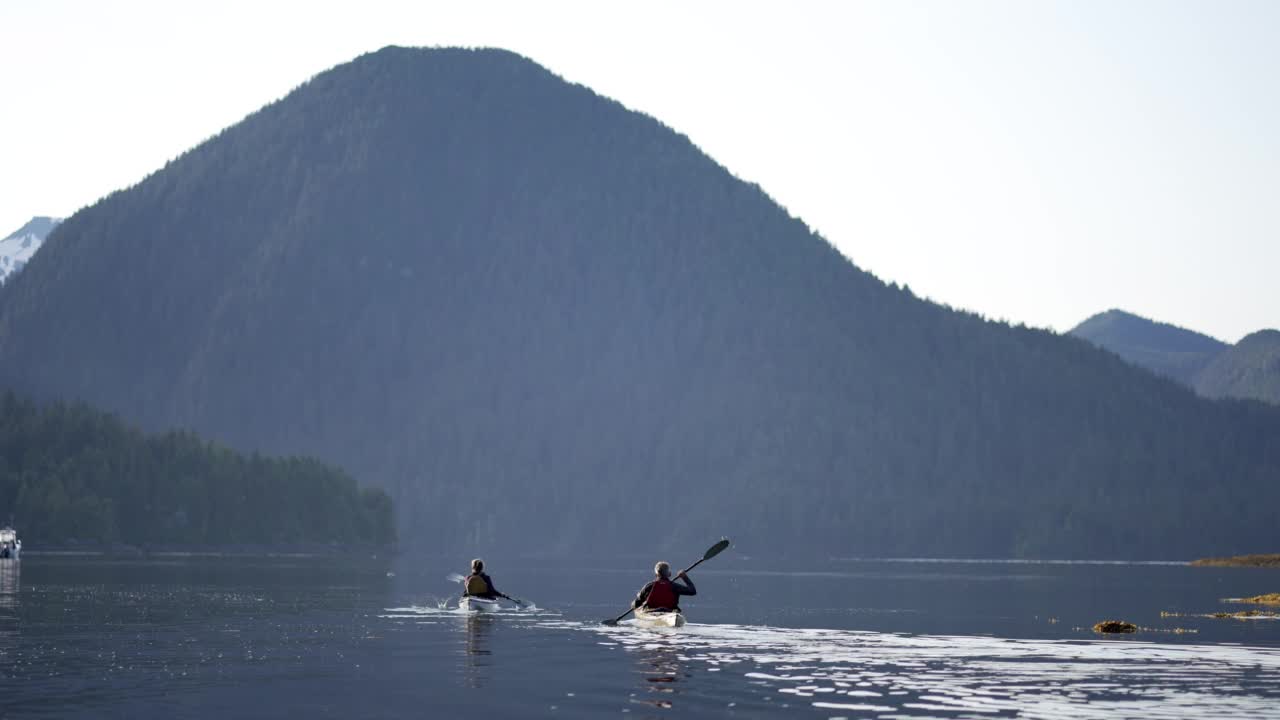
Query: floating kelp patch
[
  {"x": 1246, "y": 614},
  {"x": 1115, "y": 626},
  {"x": 1267, "y": 599},
  {"x": 1271, "y": 560},
  {"x": 1241, "y": 615}
]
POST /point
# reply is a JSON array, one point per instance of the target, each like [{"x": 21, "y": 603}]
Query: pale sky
[{"x": 1031, "y": 161}]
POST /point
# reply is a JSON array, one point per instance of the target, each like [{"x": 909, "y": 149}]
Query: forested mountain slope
[
  {"x": 1163, "y": 348},
  {"x": 1248, "y": 369},
  {"x": 545, "y": 322}
]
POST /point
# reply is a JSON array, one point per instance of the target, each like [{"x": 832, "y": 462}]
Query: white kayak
[
  {"x": 659, "y": 618},
  {"x": 471, "y": 603}
]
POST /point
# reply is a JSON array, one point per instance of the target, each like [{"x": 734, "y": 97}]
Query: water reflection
[
  {"x": 479, "y": 629},
  {"x": 9, "y": 584},
  {"x": 659, "y": 667},
  {"x": 10, "y": 589}
]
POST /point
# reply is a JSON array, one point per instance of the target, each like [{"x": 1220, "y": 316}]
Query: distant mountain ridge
[
  {"x": 548, "y": 324},
  {"x": 1250, "y": 369},
  {"x": 18, "y": 248}
]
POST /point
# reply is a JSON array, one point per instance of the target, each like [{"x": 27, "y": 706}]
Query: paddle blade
[
  {"x": 454, "y": 577},
  {"x": 716, "y": 549},
  {"x": 615, "y": 621}
]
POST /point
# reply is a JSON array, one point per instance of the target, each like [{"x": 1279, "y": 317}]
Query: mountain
[
  {"x": 548, "y": 324},
  {"x": 1162, "y": 348},
  {"x": 1248, "y": 369},
  {"x": 18, "y": 248}
]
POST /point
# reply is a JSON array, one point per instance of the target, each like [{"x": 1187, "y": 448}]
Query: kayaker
[
  {"x": 479, "y": 584},
  {"x": 662, "y": 593}
]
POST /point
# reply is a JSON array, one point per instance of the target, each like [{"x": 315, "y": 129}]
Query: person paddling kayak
[
  {"x": 658, "y": 602},
  {"x": 662, "y": 594},
  {"x": 479, "y": 584}
]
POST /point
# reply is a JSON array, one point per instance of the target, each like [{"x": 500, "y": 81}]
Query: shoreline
[
  {"x": 1265, "y": 560},
  {"x": 172, "y": 552}
]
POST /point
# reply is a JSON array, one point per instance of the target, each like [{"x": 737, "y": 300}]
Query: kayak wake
[
  {"x": 972, "y": 675},
  {"x": 448, "y": 609}
]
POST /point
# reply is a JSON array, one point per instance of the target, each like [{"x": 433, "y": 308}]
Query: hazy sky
[{"x": 1032, "y": 161}]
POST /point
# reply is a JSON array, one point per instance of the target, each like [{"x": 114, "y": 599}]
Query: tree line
[{"x": 71, "y": 473}]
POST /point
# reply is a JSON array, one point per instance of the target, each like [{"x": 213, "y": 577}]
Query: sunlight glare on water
[
  {"x": 891, "y": 675},
  {"x": 898, "y": 675}
]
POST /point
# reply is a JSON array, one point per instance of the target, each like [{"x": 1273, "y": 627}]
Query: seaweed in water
[{"x": 1115, "y": 626}]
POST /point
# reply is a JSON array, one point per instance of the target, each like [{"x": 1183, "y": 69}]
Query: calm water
[{"x": 306, "y": 638}]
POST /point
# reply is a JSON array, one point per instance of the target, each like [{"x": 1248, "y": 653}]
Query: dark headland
[{"x": 79, "y": 481}]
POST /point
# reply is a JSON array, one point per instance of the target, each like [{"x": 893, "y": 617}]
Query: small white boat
[
  {"x": 471, "y": 603},
  {"x": 10, "y": 545},
  {"x": 659, "y": 618}
]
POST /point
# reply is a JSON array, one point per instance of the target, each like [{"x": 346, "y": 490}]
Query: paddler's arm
[
  {"x": 687, "y": 588},
  {"x": 642, "y": 595}
]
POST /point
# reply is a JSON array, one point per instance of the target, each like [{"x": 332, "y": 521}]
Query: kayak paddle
[
  {"x": 711, "y": 552},
  {"x": 515, "y": 600}
]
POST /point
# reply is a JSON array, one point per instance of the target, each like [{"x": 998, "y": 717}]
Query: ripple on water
[
  {"x": 442, "y": 610},
  {"x": 895, "y": 675}
]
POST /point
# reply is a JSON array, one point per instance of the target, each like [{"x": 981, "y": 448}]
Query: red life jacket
[{"x": 662, "y": 596}]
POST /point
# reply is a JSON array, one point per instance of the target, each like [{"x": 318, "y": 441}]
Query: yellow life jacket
[{"x": 477, "y": 586}]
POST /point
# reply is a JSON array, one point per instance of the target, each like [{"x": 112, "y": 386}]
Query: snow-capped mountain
[{"x": 18, "y": 248}]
